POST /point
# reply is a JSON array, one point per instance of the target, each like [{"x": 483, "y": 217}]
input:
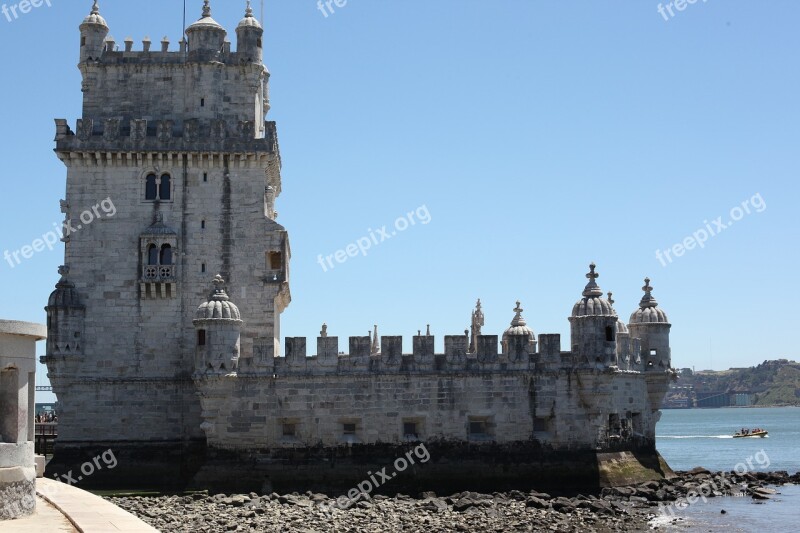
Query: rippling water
[{"x": 704, "y": 437}]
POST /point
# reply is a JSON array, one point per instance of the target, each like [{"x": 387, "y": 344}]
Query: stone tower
[{"x": 172, "y": 176}]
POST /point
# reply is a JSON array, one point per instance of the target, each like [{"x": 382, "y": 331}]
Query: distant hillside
[{"x": 771, "y": 383}]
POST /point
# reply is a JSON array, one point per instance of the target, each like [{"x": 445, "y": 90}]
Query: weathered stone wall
[{"x": 17, "y": 409}]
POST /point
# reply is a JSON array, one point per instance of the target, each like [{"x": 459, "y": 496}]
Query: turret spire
[
  {"x": 248, "y": 13},
  {"x": 648, "y": 300},
  {"x": 219, "y": 289},
  {"x": 518, "y": 320},
  {"x": 592, "y": 289},
  {"x": 206, "y": 9}
]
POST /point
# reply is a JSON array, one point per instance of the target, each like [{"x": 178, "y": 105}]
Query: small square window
[
  {"x": 477, "y": 427},
  {"x": 289, "y": 429},
  {"x": 349, "y": 428},
  {"x": 410, "y": 429},
  {"x": 654, "y": 352},
  {"x": 540, "y": 424},
  {"x": 274, "y": 260}
]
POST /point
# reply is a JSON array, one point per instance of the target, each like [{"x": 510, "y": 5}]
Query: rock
[{"x": 536, "y": 503}]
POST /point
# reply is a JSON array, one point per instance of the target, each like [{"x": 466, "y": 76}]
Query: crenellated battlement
[
  {"x": 190, "y": 135},
  {"x": 114, "y": 54},
  {"x": 363, "y": 359}
]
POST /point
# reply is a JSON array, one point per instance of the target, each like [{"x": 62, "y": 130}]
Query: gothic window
[
  {"x": 166, "y": 255},
  {"x": 150, "y": 192},
  {"x": 164, "y": 189},
  {"x": 152, "y": 255},
  {"x": 158, "y": 188}
]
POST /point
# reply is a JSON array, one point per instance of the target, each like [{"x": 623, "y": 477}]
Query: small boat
[{"x": 757, "y": 433}]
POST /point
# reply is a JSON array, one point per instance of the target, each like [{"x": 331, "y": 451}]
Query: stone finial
[
  {"x": 165, "y": 44},
  {"x": 95, "y": 8},
  {"x": 428, "y": 331},
  {"x": 248, "y": 13},
  {"x": 206, "y": 9},
  {"x": 63, "y": 271},
  {"x": 610, "y": 298},
  {"x": 324, "y": 332},
  {"x": 128, "y": 44},
  {"x": 518, "y": 320},
  {"x": 376, "y": 346},
  {"x": 478, "y": 321},
  {"x": 219, "y": 289},
  {"x": 648, "y": 300},
  {"x": 592, "y": 289}
]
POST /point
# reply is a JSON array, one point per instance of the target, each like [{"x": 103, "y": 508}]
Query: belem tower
[{"x": 164, "y": 329}]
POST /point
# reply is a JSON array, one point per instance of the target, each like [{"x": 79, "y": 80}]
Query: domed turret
[
  {"x": 594, "y": 324},
  {"x": 218, "y": 324},
  {"x": 206, "y": 37},
  {"x": 519, "y": 339},
  {"x": 93, "y": 35},
  {"x": 249, "y": 35},
  {"x": 650, "y": 324},
  {"x": 65, "y": 318}
]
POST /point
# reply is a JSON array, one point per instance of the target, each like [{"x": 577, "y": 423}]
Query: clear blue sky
[{"x": 539, "y": 135}]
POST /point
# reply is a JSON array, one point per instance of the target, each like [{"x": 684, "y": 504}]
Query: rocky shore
[{"x": 616, "y": 509}]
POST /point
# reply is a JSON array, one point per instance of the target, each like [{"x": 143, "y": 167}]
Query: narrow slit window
[
  {"x": 201, "y": 337},
  {"x": 166, "y": 254},
  {"x": 151, "y": 191},
  {"x": 152, "y": 255},
  {"x": 165, "y": 189}
]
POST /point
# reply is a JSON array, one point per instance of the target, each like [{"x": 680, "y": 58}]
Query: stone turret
[
  {"x": 249, "y": 35},
  {"x": 65, "y": 318},
  {"x": 594, "y": 325},
  {"x": 206, "y": 37},
  {"x": 650, "y": 324},
  {"x": 218, "y": 324},
  {"x": 519, "y": 341},
  {"x": 94, "y": 31}
]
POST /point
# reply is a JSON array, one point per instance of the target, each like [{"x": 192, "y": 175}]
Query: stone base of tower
[
  {"x": 451, "y": 468},
  {"x": 145, "y": 465}
]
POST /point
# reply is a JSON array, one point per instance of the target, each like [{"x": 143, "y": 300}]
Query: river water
[{"x": 688, "y": 438}]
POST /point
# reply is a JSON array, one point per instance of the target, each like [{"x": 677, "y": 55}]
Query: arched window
[
  {"x": 150, "y": 191},
  {"x": 166, "y": 255},
  {"x": 152, "y": 255},
  {"x": 165, "y": 189}
]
